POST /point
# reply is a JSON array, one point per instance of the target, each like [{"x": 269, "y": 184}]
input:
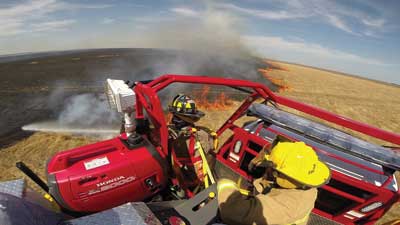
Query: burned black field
[{"x": 36, "y": 87}]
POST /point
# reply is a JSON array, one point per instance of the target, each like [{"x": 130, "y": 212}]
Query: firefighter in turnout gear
[
  {"x": 191, "y": 143},
  {"x": 284, "y": 195}
]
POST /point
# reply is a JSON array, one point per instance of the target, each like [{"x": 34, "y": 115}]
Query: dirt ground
[{"x": 367, "y": 101}]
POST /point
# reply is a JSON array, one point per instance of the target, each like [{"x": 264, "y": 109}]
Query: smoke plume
[
  {"x": 87, "y": 110},
  {"x": 207, "y": 44}
]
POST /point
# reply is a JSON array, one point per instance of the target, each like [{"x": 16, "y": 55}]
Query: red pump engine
[{"x": 105, "y": 174}]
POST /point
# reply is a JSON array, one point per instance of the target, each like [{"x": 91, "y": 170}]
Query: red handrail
[{"x": 263, "y": 91}]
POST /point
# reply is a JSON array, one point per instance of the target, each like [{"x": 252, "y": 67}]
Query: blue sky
[{"x": 360, "y": 37}]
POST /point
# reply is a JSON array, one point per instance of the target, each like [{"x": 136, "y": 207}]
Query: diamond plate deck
[
  {"x": 13, "y": 187},
  {"x": 128, "y": 214},
  {"x": 319, "y": 220}
]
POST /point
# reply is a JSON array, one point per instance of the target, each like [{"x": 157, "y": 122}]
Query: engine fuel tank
[{"x": 106, "y": 174}]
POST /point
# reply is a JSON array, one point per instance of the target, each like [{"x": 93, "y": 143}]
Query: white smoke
[
  {"x": 212, "y": 32},
  {"x": 87, "y": 110},
  {"x": 208, "y": 44}
]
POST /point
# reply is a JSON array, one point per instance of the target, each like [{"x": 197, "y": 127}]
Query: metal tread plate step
[
  {"x": 128, "y": 214},
  {"x": 316, "y": 219},
  {"x": 13, "y": 187}
]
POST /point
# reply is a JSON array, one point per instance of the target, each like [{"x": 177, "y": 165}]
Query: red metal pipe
[
  {"x": 264, "y": 92},
  {"x": 343, "y": 194},
  {"x": 167, "y": 79}
]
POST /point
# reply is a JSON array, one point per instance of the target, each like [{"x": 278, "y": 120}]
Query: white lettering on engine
[
  {"x": 110, "y": 181},
  {"x": 110, "y": 184}
]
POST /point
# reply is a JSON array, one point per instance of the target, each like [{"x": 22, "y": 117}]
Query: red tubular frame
[
  {"x": 259, "y": 91},
  {"x": 150, "y": 90}
]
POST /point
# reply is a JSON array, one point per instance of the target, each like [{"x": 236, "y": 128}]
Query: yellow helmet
[{"x": 298, "y": 163}]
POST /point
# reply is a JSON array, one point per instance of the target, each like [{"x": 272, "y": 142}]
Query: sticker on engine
[{"x": 96, "y": 163}]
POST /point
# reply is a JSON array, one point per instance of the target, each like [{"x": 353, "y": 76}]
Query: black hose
[{"x": 27, "y": 171}]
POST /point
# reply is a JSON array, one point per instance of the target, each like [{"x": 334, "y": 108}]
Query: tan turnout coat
[{"x": 279, "y": 206}]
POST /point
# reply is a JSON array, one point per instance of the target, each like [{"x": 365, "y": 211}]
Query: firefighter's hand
[
  {"x": 257, "y": 161},
  {"x": 214, "y": 136},
  {"x": 262, "y": 185}
]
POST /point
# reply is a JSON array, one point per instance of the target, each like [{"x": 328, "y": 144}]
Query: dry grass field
[
  {"x": 367, "y": 101},
  {"x": 35, "y": 151},
  {"x": 363, "y": 100}
]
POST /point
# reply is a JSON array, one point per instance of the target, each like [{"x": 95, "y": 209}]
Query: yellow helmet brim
[
  {"x": 299, "y": 162},
  {"x": 318, "y": 177}
]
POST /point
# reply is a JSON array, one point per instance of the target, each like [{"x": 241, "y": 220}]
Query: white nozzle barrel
[{"x": 130, "y": 125}]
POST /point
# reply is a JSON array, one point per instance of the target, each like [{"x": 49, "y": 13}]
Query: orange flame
[
  {"x": 280, "y": 83},
  {"x": 221, "y": 102},
  {"x": 282, "y": 86}
]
